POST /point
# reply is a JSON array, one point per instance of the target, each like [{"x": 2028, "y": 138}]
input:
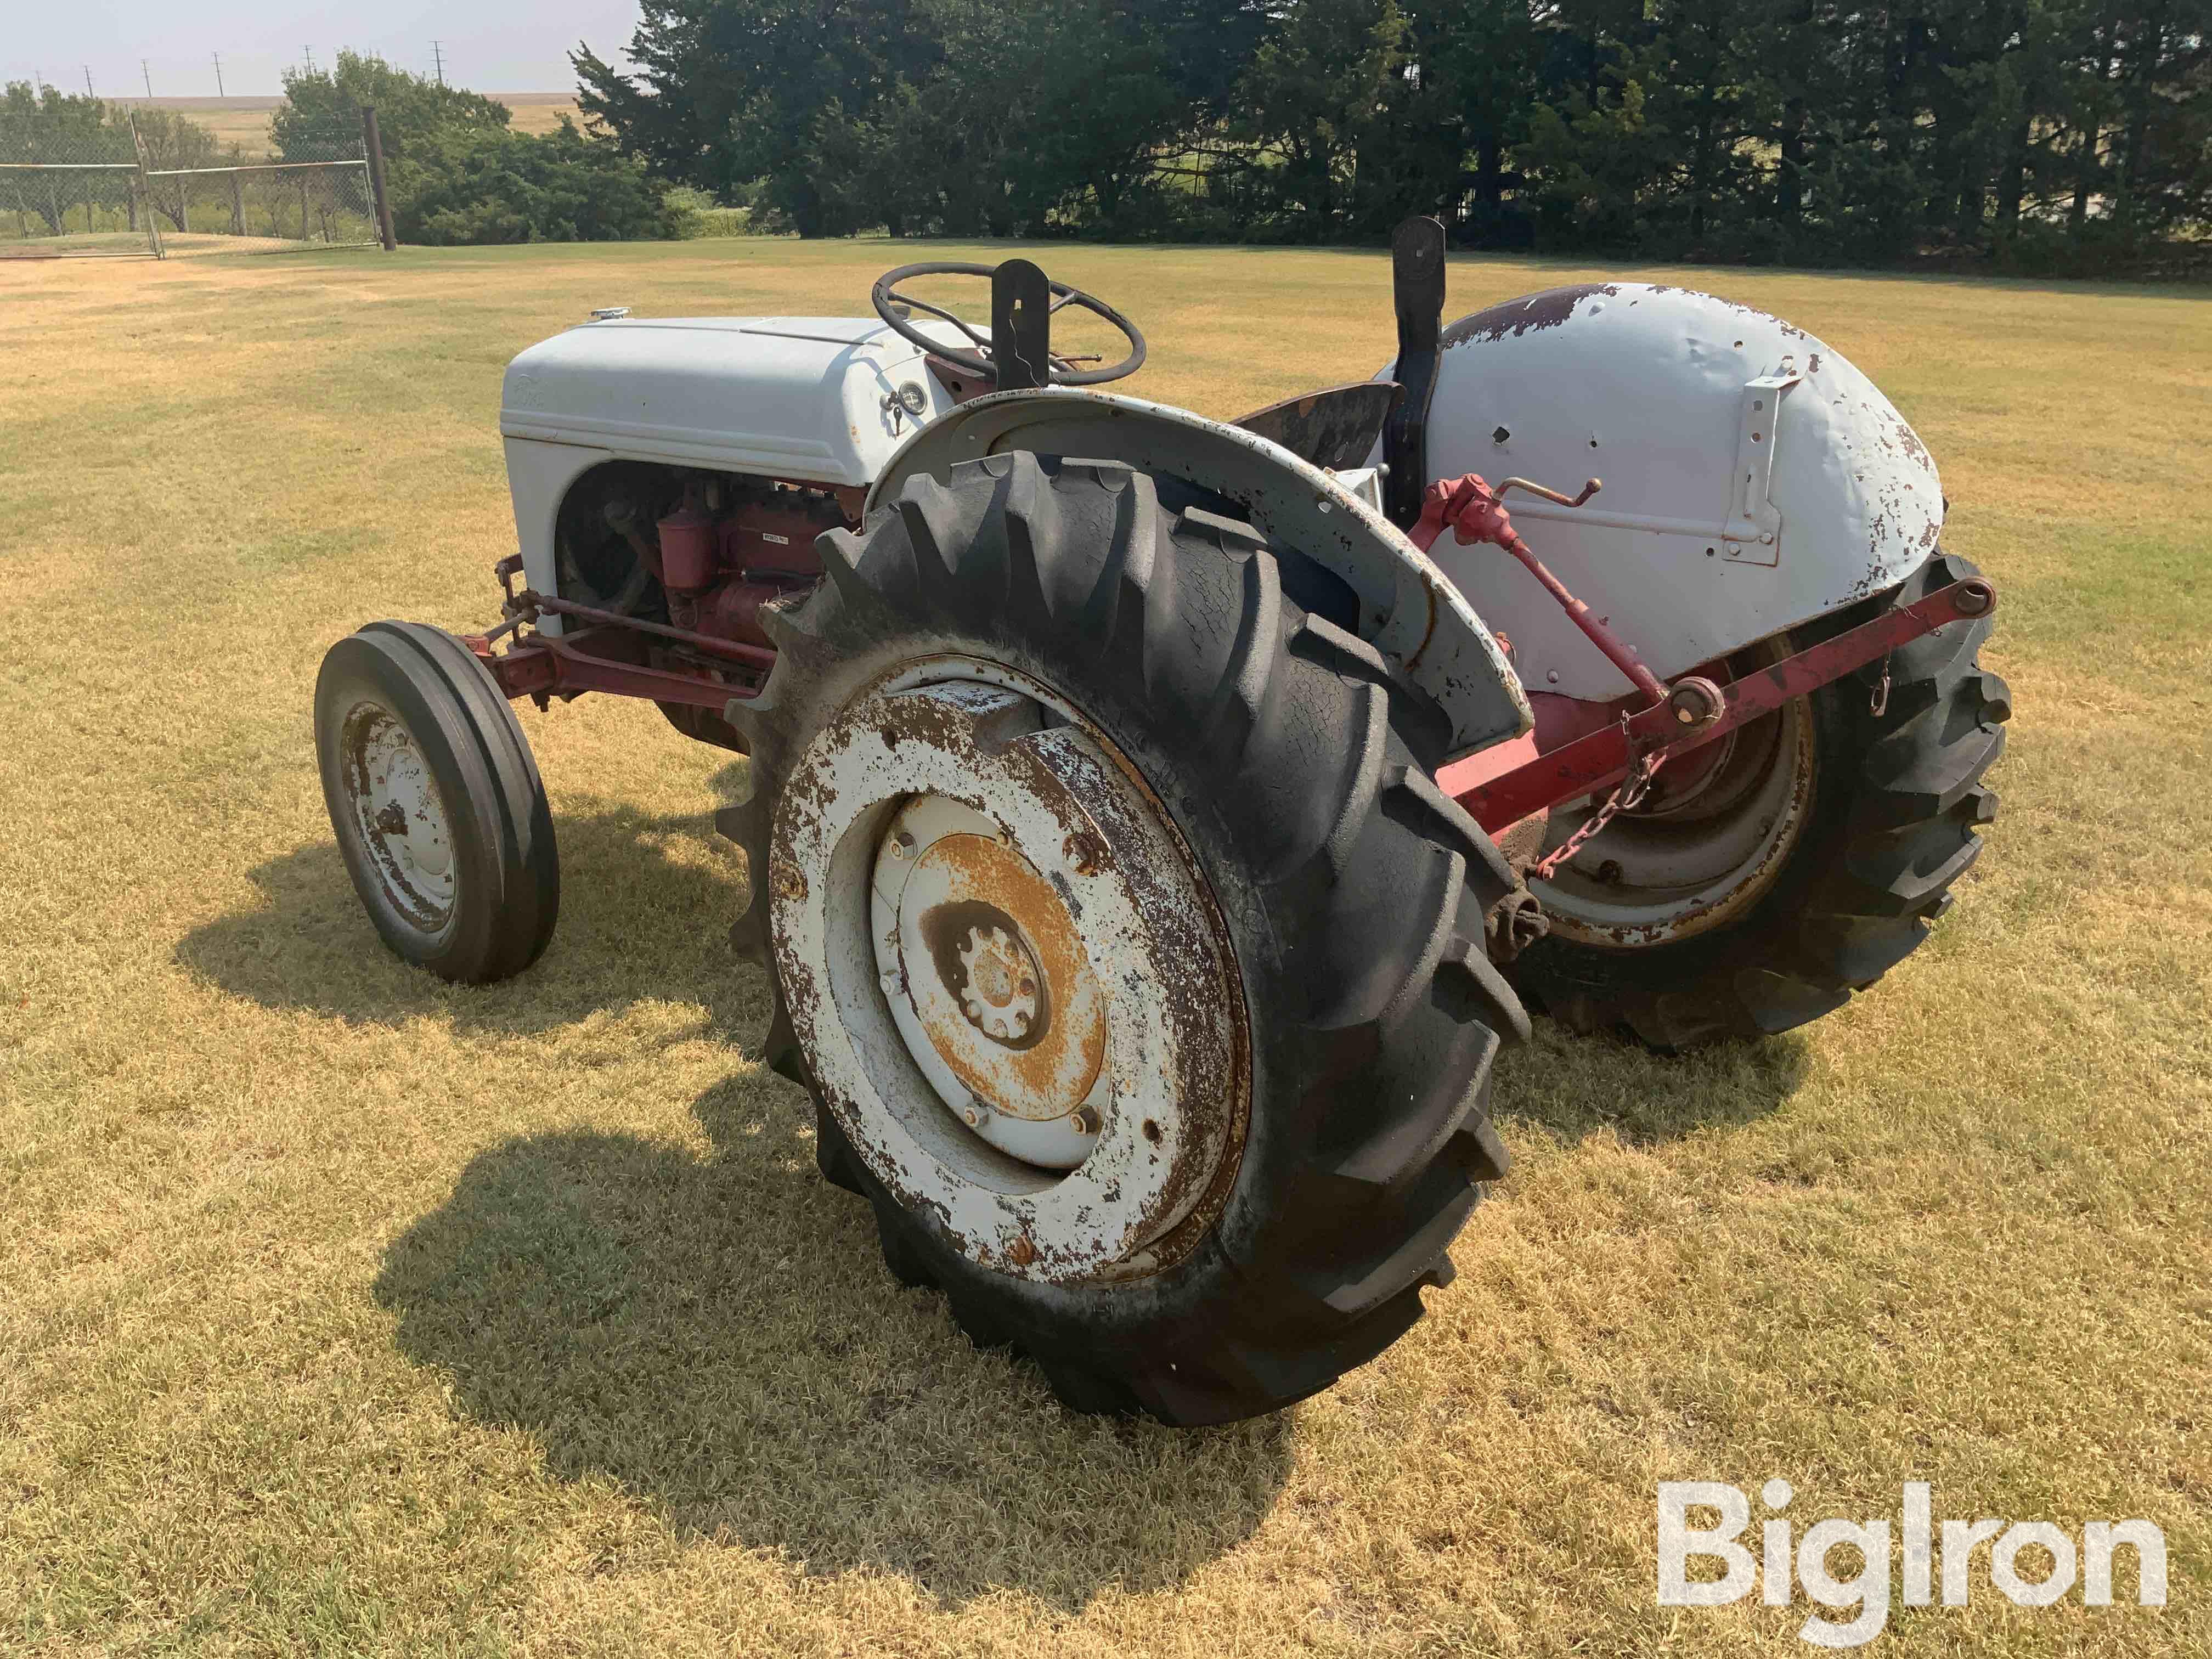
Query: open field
[
  {"x": 246, "y": 120},
  {"x": 345, "y": 1311}
]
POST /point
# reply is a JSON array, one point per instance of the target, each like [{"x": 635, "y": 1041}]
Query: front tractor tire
[
  {"x": 1809, "y": 858},
  {"x": 438, "y": 810},
  {"x": 1132, "y": 961}
]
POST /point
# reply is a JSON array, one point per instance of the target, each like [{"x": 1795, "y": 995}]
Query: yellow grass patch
[
  {"x": 244, "y": 121},
  {"x": 342, "y": 1310}
]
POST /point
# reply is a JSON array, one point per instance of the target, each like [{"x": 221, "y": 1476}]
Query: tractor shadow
[
  {"x": 646, "y": 907},
  {"x": 1576, "y": 1086},
  {"x": 717, "y": 1335}
]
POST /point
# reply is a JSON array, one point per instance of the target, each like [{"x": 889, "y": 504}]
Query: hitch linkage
[{"x": 1692, "y": 711}]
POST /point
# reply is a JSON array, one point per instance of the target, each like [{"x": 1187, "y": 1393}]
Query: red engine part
[
  {"x": 732, "y": 611},
  {"x": 687, "y": 552},
  {"x": 778, "y": 534},
  {"x": 718, "y": 572}
]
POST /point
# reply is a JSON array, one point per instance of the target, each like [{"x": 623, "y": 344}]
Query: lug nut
[
  {"x": 1087, "y": 1121},
  {"x": 902, "y": 844}
]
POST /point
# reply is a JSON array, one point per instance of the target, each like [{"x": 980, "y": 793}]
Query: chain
[{"x": 1628, "y": 794}]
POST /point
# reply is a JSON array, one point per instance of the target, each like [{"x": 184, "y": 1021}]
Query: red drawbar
[{"x": 1497, "y": 799}]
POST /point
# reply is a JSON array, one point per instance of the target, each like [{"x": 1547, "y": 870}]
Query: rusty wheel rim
[
  {"x": 988, "y": 978},
  {"x": 1686, "y": 863},
  {"x": 399, "y": 815},
  {"x": 1010, "y": 979}
]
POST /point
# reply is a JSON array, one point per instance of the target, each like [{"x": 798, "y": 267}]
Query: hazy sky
[{"x": 493, "y": 46}]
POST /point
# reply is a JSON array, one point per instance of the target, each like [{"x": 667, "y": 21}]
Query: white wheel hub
[
  {"x": 400, "y": 814},
  {"x": 999, "y": 997},
  {"x": 989, "y": 983},
  {"x": 1010, "y": 981}
]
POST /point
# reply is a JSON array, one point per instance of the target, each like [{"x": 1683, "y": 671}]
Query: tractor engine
[
  {"x": 727, "y": 551},
  {"x": 718, "y": 546}
]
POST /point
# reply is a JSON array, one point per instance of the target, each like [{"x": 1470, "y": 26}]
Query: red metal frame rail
[{"x": 1577, "y": 768}]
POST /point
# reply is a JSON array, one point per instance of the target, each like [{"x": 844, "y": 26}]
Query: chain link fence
[
  {"x": 55, "y": 209},
  {"x": 163, "y": 188}
]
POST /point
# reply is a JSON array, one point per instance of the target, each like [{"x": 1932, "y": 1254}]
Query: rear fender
[
  {"x": 1409, "y": 610},
  {"x": 1754, "y": 479}
]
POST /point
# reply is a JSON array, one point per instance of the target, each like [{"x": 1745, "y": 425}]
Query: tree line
[
  {"x": 2058, "y": 134},
  {"x": 456, "y": 173}
]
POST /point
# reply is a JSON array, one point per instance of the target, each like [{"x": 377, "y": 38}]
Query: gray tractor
[{"x": 1158, "y": 824}]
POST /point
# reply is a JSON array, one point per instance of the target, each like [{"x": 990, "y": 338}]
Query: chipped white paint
[
  {"x": 962, "y": 1009},
  {"x": 399, "y": 815},
  {"x": 1753, "y": 478},
  {"x": 1024, "y": 773}
]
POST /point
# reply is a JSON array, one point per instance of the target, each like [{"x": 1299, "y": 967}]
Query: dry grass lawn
[
  {"x": 342, "y": 1311},
  {"x": 244, "y": 121}
]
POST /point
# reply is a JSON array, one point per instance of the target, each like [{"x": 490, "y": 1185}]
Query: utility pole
[
  {"x": 310, "y": 51},
  {"x": 88, "y": 80},
  {"x": 149, "y": 74},
  {"x": 218, "y": 75},
  {"x": 438, "y": 56}
]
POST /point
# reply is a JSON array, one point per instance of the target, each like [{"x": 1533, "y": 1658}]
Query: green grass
[{"x": 342, "y": 1311}]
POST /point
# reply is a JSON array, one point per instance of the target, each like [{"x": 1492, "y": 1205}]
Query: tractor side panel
[
  {"x": 1753, "y": 478},
  {"x": 539, "y": 476}
]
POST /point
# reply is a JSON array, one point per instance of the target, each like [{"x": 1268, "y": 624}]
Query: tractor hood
[{"x": 815, "y": 398}]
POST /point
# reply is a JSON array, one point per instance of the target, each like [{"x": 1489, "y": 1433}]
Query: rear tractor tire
[
  {"x": 1132, "y": 961},
  {"x": 438, "y": 808},
  {"x": 1809, "y": 856}
]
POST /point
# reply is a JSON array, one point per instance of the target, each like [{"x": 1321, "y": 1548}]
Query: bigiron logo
[{"x": 1933, "y": 1560}]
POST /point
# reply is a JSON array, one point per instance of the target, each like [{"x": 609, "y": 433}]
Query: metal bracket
[
  {"x": 1021, "y": 326},
  {"x": 1753, "y": 534},
  {"x": 1417, "y": 287}
]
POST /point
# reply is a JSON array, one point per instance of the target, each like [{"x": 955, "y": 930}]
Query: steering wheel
[{"x": 1063, "y": 371}]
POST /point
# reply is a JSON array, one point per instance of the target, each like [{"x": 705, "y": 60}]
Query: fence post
[
  {"x": 237, "y": 206},
  {"x": 375, "y": 146},
  {"x": 145, "y": 197}
]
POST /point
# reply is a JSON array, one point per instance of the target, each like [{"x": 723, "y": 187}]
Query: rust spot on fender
[
  {"x": 1429, "y": 633},
  {"x": 1534, "y": 311}
]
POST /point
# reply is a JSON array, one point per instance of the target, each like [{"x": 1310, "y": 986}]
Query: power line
[
  {"x": 438, "y": 56},
  {"x": 218, "y": 75}
]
